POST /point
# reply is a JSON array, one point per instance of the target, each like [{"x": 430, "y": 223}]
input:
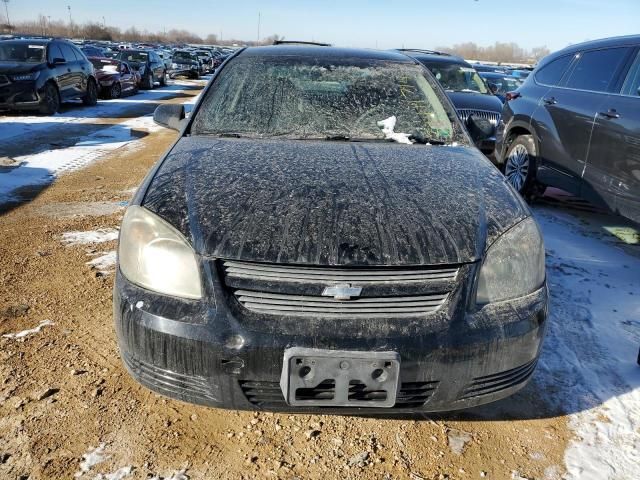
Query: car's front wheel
[
  {"x": 91, "y": 97},
  {"x": 163, "y": 79},
  {"x": 520, "y": 164},
  {"x": 115, "y": 91},
  {"x": 50, "y": 102},
  {"x": 147, "y": 81}
]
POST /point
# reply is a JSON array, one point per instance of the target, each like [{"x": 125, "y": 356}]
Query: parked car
[
  {"x": 206, "y": 59},
  {"x": 520, "y": 74},
  {"x": 184, "y": 63},
  {"x": 467, "y": 91},
  {"x": 500, "y": 84},
  {"x": 166, "y": 57},
  {"x": 575, "y": 124},
  {"x": 40, "y": 74},
  {"x": 325, "y": 236},
  {"x": 148, "y": 64},
  {"x": 93, "y": 51},
  {"x": 115, "y": 78},
  {"x": 479, "y": 67}
]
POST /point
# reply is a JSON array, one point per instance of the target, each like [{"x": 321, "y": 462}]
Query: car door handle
[
  {"x": 550, "y": 100},
  {"x": 610, "y": 114}
]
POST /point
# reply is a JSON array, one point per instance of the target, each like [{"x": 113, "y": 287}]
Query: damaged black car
[{"x": 324, "y": 236}]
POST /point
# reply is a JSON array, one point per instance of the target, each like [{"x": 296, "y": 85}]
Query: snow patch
[
  {"x": 388, "y": 125},
  {"x": 588, "y": 364},
  {"x": 457, "y": 440},
  {"x": 91, "y": 459},
  {"x": 93, "y": 236},
  {"x": 119, "y": 474},
  {"x": 180, "y": 475},
  {"x": 105, "y": 263},
  {"x": 26, "y": 333}
]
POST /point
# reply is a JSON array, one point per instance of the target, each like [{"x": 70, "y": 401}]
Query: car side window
[
  {"x": 596, "y": 70},
  {"x": 552, "y": 73},
  {"x": 54, "y": 52},
  {"x": 81, "y": 56},
  {"x": 632, "y": 83},
  {"x": 67, "y": 53}
]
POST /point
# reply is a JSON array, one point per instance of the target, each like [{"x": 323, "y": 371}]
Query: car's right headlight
[
  {"x": 513, "y": 266},
  {"x": 155, "y": 256}
]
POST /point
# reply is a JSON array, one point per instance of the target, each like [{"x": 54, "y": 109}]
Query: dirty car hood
[{"x": 332, "y": 203}]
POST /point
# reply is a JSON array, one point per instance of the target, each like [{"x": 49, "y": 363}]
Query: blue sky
[{"x": 373, "y": 23}]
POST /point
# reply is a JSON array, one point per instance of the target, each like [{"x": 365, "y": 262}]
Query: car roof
[
  {"x": 603, "y": 42},
  {"x": 32, "y": 41},
  {"x": 435, "y": 57},
  {"x": 317, "y": 51}
]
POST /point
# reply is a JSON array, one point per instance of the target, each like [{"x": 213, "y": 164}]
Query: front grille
[
  {"x": 269, "y": 395},
  {"x": 4, "y": 80},
  {"x": 465, "y": 113},
  {"x": 499, "y": 381},
  {"x": 298, "y": 291},
  {"x": 171, "y": 383},
  {"x": 300, "y": 305}
]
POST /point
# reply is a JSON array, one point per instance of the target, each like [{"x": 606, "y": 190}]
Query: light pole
[
  {"x": 6, "y": 9},
  {"x": 70, "y": 21},
  {"x": 259, "y": 15}
]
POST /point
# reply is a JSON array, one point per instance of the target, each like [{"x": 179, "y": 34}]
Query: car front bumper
[
  {"x": 176, "y": 72},
  {"x": 19, "y": 96},
  {"x": 207, "y": 353}
]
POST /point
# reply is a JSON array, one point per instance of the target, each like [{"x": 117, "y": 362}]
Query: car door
[
  {"x": 612, "y": 174},
  {"x": 572, "y": 106},
  {"x": 126, "y": 78},
  {"x": 63, "y": 76},
  {"x": 73, "y": 69},
  {"x": 85, "y": 68}
]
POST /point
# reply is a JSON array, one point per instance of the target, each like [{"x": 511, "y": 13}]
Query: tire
[
  {"x": 91, "y": 97},
  {"x": 520, "y": 165},
  {"x": 50, "y": 102},
  {"x": 163, "y": 80},
  {"x": 196, "y": 76},
  {"x": 115, "y": 91},
  {"x": 147, "y": 81}
]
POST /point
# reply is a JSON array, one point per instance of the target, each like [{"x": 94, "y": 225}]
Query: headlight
[
  {"x": 174, "y": 65},
  {"x": 514, "y": 264},
  {"x": 25, "y": 77},
  {"x": 154, "y": 255}
]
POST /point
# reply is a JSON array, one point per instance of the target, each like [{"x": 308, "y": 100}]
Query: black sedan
[
  {"x": 148, "y": 64},
  {"x": 324, "y": 235},
  {"x": 40, "y": 74}
]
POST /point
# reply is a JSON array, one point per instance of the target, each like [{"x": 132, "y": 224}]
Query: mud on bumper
[{"x": 228, "y": 366}]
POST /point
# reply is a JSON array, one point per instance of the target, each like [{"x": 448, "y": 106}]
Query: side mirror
[
  {"x": 58, "y": 61},
  {"x": 170, "y": 116},
  {"x": 479, "y": 128}
]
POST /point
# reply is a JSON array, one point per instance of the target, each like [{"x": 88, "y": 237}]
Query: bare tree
[{"x": 499, "y": 52}]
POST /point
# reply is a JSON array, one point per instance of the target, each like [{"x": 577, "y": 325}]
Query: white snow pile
[
  {"x": 25, "y": 333},
  {"x": 388, "y": 126},
  {"x": 588, "y": 366},
  {"x": 90, "y": 459},
  {"x": 100, "y": 235},
  {"x": 105, "y": 263}
]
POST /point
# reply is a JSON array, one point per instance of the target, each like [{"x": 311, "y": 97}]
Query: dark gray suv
[{"x": 575, "y": 124}]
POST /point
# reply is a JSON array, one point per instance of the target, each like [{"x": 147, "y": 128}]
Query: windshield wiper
[
  {"x": 229, "y": 135},
  {"x": 421, "y": 139}
]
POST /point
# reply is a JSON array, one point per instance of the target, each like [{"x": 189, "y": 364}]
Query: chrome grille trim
[
  {"x": 465, "y": 113},
  {"x": 330, "y": 275},
  {"x": 302, "y": 305}
]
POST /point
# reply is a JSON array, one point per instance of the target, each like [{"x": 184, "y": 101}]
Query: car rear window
[
  {"x": 307, "y": 98},
  {"x": 596, "y": 70},
  {"x": 552, "y": 73}
]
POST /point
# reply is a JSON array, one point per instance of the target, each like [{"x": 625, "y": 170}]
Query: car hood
[
  {"x": 332, "y": 203},
  {"x": 476, "y": 101},
  {"x": 16, "y": 68}
]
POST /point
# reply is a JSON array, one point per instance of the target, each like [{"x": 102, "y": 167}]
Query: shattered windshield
[
  {"x": 305, "y": 98},
  {"x": 458, "y": 78}
]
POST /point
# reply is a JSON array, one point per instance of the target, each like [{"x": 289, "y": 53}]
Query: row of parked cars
[{"x": 38, "y": 74}]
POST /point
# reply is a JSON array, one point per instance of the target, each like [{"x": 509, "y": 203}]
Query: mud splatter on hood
[{"x": 332, "y": 203}]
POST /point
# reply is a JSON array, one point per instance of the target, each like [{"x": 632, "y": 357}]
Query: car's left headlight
[
  {"x": 513, "y": 266},
  {"x": 155, "y": 256},
  {"x": 24, "y": 77}
]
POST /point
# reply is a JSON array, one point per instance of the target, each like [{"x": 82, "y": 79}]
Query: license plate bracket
[{"x": 339, "y": 378}]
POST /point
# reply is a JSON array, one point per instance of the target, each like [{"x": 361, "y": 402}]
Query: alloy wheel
[{"x": 516, "y": 168}]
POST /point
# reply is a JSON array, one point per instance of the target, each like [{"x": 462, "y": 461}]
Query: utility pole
[
  {"x": 70, "y": 21},
  {"x": 104, "y": 23},
  {"x": 259, "y": 15},
  {"x": 6, "y": 9}
]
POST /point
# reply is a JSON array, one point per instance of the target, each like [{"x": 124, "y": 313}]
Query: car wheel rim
[
  {"x": 115, "y": 93},
  {"x": 51, "y": 99},
  {"x": 517, "y": 167}
]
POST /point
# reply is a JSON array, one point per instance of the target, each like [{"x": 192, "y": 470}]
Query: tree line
[
  {"x": 499, "y": 52},
  {"x": 45, "y": 26}
]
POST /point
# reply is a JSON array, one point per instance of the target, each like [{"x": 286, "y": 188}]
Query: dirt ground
[{"x": 64, "y": 391}]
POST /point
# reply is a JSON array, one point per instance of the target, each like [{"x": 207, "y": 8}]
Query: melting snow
[
  {"x": 119, "y": 474},
  {"x": 94, "y": 236},
  {"x": 105, "y": 263},
  {"x": 458, "y": 440},
  {"x": 26, "y": 333},
  {"x": 91, "y": 459}
]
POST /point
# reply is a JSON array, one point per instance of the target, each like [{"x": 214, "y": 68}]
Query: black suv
[
  {"x": 464, "y": 87},
  {"x": 40, "y": 74},
  {"x": 575, "y": 124},
  {"x": 148, "y": 63}
]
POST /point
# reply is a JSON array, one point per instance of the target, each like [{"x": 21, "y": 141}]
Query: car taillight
[{"x": 512, "y": 96}]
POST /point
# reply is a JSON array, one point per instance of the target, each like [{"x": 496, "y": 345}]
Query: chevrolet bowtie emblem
[{"x": 342, "y": 291}]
